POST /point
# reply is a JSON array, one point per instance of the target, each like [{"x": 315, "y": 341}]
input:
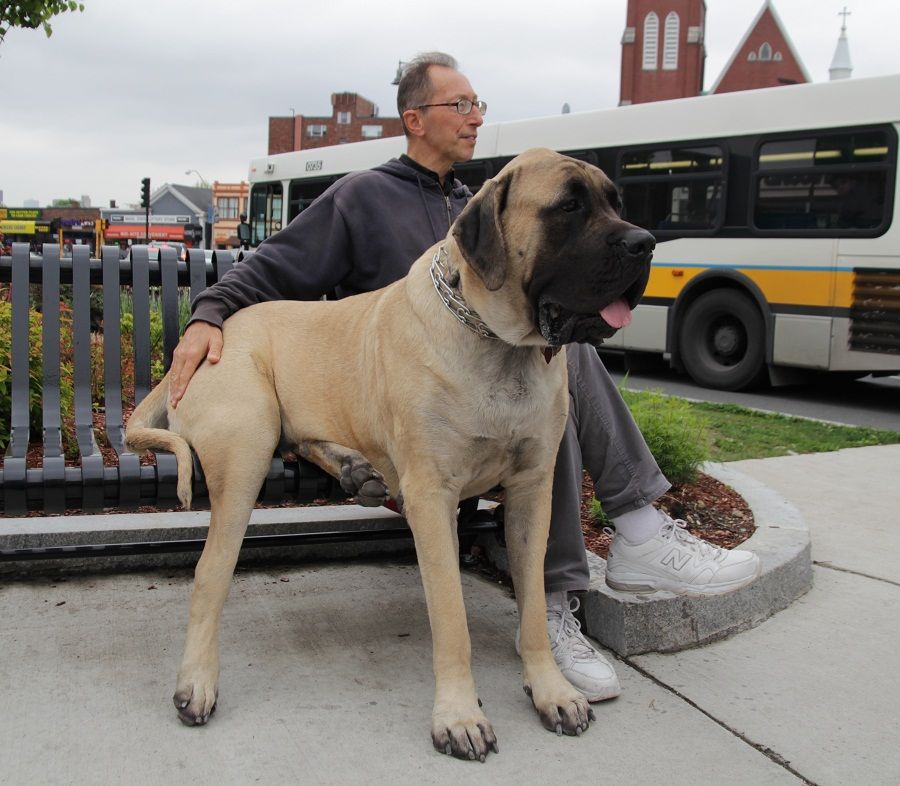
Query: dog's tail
[{"x": 147, "y": 430}]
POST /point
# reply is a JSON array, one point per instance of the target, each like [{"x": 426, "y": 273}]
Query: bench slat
[
  {"x": 54, "y": 463},
  {"x": 91, "y": 457},
  {"x": 14, "y": 468},
  {"x": 140, "y": 297},
  {"x": 129, "y": 486},
  {"x": 168, "y": 271}
]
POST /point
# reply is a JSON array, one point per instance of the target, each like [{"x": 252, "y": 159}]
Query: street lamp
[
  {"x": 203, "y": 181},
  {"x": 400, "y": 66}
]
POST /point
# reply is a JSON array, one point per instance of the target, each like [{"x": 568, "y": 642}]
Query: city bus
[{"x": 775, "y": 213}]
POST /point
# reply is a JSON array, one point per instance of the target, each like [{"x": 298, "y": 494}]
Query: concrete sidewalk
[{"x": 336, "y": 686}]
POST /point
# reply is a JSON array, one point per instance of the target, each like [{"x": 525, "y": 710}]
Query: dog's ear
[{"x": 479, "y": 233}]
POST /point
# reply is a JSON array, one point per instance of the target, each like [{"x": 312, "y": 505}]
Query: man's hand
[{"x": 200, "y": 341}]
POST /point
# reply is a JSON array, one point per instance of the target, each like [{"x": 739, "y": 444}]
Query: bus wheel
[{"x": 722, "y": 340}]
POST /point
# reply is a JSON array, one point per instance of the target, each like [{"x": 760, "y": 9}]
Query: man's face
[{"x": 450, "y": 135}]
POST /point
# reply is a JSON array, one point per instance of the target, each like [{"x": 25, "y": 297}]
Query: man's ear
[
  {"x": 479, "y": 233},
  {"x": 412, "y": 120}
]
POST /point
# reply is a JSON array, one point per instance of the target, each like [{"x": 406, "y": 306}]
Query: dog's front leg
[
  {"x": 561, "y": 707},
  {"x": 458, "y": 725}
]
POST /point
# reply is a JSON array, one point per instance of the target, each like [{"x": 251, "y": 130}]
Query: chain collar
[{"x": 453, "y": 298}]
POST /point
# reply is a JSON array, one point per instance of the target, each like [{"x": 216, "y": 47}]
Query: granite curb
[{"x": 632, "y": 624}]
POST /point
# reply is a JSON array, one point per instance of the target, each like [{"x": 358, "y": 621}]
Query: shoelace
[
  {"x": 677, "y": 528},
  {"x": 568, "y": 631}
]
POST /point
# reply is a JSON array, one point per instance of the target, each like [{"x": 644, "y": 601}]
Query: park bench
[{"x": 92, "y": 485}]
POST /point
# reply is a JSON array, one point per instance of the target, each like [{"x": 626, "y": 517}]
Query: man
[{"x": 363, "y": 233}]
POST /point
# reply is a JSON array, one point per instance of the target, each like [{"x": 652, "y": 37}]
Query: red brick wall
[
  {"x": 286, "y": 134},
  {"x": 281, "y": 135},
  {"x": 744, "y": 74},
  {"x": 638, "y": 86}
]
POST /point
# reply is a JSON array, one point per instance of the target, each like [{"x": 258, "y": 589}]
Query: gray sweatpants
[{"x": 601, "y": 437}]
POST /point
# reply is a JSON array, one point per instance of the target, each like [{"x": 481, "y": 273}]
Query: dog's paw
[
  {"x": 194, "y": 703},
  {"x": 469, "y": 738},
  {"x": 360, "y": 479},
  {"x": 566, "y": 711}
]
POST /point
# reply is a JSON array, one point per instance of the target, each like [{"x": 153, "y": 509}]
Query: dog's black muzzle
[{"x": 573, "y": 314}]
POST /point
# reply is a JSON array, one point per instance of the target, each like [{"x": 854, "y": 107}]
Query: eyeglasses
[{"x": 463, "y": 106}]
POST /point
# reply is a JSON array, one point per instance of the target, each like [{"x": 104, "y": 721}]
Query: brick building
[
  {"x": 663, "y": 53},
  {"x": 353, "y": 119},
  {"x": 662, "y": 50},
  {"x": 764, "y": 58}
]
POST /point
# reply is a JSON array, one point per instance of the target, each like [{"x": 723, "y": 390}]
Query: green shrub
[
  {"x": 677, "y": 436},
  {"x": 35, "y": 371},
  {"x": 597, "y": 514}
]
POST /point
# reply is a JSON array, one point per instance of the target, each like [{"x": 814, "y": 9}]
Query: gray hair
[{"x": 415, "y": 84}]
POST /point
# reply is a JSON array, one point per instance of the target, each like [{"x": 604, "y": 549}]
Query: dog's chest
[{"x": 513, "y": 426}]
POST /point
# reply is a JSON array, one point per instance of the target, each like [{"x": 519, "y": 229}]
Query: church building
[{"x": 663, "y": 53}]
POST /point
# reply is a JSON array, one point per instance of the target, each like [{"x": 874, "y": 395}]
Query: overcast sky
[{"x": 132, "y": 89}]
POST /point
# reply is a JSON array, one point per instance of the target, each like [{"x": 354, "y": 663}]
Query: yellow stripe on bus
[{"x": 814, "y": 288}]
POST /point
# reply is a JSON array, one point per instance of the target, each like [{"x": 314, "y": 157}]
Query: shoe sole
[
  {"x": 593, "y": 698},
  {"x": 642, "y": 585}
]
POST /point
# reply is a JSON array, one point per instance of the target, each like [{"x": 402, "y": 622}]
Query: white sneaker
[
  {"x": 578, "y": 661},
  {"x": 676, "y": 561}
]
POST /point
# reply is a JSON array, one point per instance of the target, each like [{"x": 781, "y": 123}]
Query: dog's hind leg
[
  {"x": 458, "y": 725},
  {"x": 235, "y": 468},
  {"x": 356, "y": 475}
]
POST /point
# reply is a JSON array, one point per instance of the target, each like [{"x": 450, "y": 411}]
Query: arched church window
[
  {"x": 765, "y": 51},
  {"x": 651, "y": 41},
  {"x": 670, "y": 42}
]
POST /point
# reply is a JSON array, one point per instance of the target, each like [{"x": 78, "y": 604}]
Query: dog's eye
[{"x": 571, "y": 205}]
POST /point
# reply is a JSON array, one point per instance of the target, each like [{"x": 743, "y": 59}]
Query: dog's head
[{"x": 545, "y": 237}]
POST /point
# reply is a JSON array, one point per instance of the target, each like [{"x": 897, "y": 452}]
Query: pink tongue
[{"x": 617, "y": 314}]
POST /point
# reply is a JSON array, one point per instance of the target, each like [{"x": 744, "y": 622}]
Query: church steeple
[
  {"x": 662, "y": 50},
  {"x": 841, "y": 67}
]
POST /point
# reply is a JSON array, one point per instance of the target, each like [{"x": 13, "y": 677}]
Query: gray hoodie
[{"x": 362, "y": 234}]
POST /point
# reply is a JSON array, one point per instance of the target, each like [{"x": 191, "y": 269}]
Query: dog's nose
[{"x": 638, "y": 243}]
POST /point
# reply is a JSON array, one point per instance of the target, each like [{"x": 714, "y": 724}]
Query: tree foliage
[{"x": 32, "y": 14}]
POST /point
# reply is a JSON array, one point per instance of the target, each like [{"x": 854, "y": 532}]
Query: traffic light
[{"x": 145, "y": 192}]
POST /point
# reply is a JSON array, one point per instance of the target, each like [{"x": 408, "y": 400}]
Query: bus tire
[{"x": 722, "y": 340}]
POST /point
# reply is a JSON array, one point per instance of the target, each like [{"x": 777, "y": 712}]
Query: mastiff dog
[{"x": 436, "y": 388}]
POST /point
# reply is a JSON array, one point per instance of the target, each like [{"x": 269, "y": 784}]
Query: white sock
[{"x": 638, "y": 526}]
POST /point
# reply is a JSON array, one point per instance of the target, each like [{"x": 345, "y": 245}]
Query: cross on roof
[{"x": 845, "y": 13}]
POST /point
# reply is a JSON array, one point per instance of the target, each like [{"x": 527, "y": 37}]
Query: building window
[
  {"x": 343, "y": 118},
  {"x": 670, "y": 42},
  {"x": 777, "y": 57},
  {"x": 765, "y": 51},
  {"x": 651, "y": 41},
  {"x": 316, "y": 130},
  {"x": 752, "y": 57},
  {"x": 372, "y": 132},
  {"x": 227, "y": 208}
]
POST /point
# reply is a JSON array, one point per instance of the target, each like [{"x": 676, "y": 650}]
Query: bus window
[
  {"x": 265, "y": 211},
  {"x": 832, "y": 184},
  {"x": 303, "y": 193},
  {"x": 473, "y": 174},
  {"x": 673, "y": 190}
]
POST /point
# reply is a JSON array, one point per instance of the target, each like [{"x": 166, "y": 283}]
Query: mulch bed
[{"x": 713, "y": 511}]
